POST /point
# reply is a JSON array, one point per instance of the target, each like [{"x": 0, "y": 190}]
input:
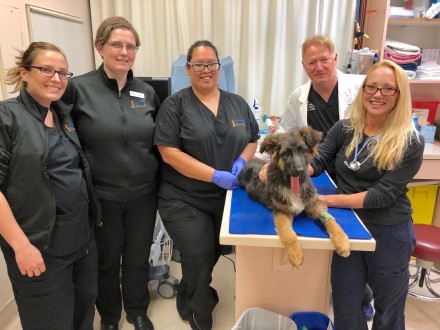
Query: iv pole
[{"x": 358, "y": 34}]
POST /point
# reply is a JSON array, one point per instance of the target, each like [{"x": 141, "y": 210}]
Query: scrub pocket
[
  {"x": 40, "y": 312},
  {"x": 37, "y": 298},
  {"x": 65, "y": 233}
]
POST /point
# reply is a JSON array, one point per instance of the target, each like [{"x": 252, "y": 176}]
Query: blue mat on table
[{"x": 250, "y": 217}]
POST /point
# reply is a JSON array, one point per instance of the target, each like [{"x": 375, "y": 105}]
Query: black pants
[
  {"x": 61, "y": 298},
  {"x": 127, "y": 232},
  {"x": 196, "y": 233},
  {"x": 368, "y": 295},
  {"x": 385, "y": 269}
]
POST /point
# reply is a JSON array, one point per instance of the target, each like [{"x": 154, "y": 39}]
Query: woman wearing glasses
[
  {"x": 114, "y": 115},
  {"x": 47, "y": 207},
  {"x": 204, "y": 135},
  {"x": 377, "y": 151}
]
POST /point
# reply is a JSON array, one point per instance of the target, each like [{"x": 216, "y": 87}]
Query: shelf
[
  {"x": 414, "y": 22},
  {"x": 424, "y": 81}
]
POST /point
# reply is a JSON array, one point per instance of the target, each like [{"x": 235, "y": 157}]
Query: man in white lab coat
[{"x": 326, "y": 97}]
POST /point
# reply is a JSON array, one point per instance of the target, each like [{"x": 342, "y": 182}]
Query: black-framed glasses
[
  {"x": 50, "y": 72},
  {"x": 130, "y": 48},
  {"x": 385, "y": 91},
  {"x": 199, "y": 67}
]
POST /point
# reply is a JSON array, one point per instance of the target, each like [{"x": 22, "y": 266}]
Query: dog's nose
[{"x": 298, "y": 163}]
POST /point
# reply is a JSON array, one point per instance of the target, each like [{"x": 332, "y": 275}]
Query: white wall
[
  {"x": 14, "y": 34},
  {"x": 14, "y": 31}
]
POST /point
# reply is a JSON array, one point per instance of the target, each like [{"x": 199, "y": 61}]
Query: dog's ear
[
  {"x": 311, "y": 137},
  {"x": 272, "y": 143}
]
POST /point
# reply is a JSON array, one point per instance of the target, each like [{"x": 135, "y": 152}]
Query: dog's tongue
[{"x": 294, "y": 184}]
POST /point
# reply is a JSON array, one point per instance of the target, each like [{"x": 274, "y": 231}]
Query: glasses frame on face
[
  {"x": 200, "y": 67},
  {"x": 47, "y": 71},
  {"x": 117, "y": 45},
  {"x": 368, "y": 89}
]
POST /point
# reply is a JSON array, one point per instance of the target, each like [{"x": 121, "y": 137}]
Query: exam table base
[{"x": 266, "y": 279}]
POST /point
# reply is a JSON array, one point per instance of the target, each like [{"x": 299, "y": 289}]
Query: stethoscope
[{"x": 355, "y": 165}]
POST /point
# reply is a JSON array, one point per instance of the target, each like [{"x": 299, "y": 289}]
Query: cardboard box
[
  {"x": 427, "y": 104},
  {"x": 422, "y": 115}
]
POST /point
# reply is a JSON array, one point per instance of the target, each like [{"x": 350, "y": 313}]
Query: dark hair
[
  {"x": 200, "y": 43},
  {"x": 112, "y": 23},
  {"x": 26, "y": 58}
]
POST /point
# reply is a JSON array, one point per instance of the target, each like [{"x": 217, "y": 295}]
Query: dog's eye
[
  {"x": 286, "y": 154},
  {"x": 304, "y": 151}
]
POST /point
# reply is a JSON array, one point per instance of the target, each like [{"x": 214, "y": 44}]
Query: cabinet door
[{"x": 376, "y": 23}]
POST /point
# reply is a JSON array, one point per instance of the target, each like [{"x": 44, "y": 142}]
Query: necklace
[{"x": 355, "y": 165}]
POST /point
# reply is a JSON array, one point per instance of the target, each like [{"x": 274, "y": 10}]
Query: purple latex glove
[
  {"x": 238, "y": 166},
  {"x": 225, "y": 180}
]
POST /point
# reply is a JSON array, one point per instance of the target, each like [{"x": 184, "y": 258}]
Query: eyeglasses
[
  {"x": 199, "y": 67},
  {"x": 130, "y": 48},
  {"x": 385, "y": 91},
  {"x": 50, "y": 72}
]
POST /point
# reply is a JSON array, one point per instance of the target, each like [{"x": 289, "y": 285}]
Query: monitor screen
[{"x": 162, "y": 86}]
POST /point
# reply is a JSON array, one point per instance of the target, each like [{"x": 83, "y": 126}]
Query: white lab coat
[{"x": 295, "y": 116}]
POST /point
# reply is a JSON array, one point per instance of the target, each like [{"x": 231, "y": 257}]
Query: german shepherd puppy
[{"x": 288, "y": 190}]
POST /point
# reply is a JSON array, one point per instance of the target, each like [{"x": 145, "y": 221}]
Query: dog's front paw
[
  {"x": 342, "y": 245},
  {"x": 339, "y": 238},
  {"x": 295, "y": 255},
  {"x": 283, "y": 224}
]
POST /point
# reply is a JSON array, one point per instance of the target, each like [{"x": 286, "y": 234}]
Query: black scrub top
[
  {"x": 72, "y": 228},
  {"x": 184, "y": 122},
  {"x": 322, "y": 115}
]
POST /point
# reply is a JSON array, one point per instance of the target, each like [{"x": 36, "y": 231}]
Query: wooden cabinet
[{"x": 421, "y": 32}]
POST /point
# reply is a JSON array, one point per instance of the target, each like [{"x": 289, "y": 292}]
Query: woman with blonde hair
[
  {"x": 377, "y": 152},
  {"x": 47, "y": 206}
]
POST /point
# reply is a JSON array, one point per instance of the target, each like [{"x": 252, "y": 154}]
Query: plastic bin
[
  {"x": 428, "y": 133},
  {"x": 312, "y": 321},
  {"x": 260, "y": 319},
  {"x": 422, "y": 202},
  {"x": 431, "y": 105}
]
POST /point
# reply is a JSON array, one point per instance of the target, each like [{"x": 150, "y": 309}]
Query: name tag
[{"x": 137, "y": 94}]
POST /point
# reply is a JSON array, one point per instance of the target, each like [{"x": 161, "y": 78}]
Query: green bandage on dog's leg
[{"x": 324, "y": 216}]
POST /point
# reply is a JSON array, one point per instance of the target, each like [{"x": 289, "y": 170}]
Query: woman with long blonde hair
[{"x": 377, "y": 152}]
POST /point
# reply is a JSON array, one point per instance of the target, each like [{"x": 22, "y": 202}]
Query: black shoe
[
  {"x": 140, "y": 322},
  {"x": 198, "y": 323},
  {"x": 109, "y": 327}
]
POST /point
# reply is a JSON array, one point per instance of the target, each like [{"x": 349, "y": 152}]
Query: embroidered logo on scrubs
[
  {"x": 311, "y": 107},
  {"x": 138, "y": 104},
  {"x": 238, "y": 122},
  {"x": 69, "y": 126}
]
